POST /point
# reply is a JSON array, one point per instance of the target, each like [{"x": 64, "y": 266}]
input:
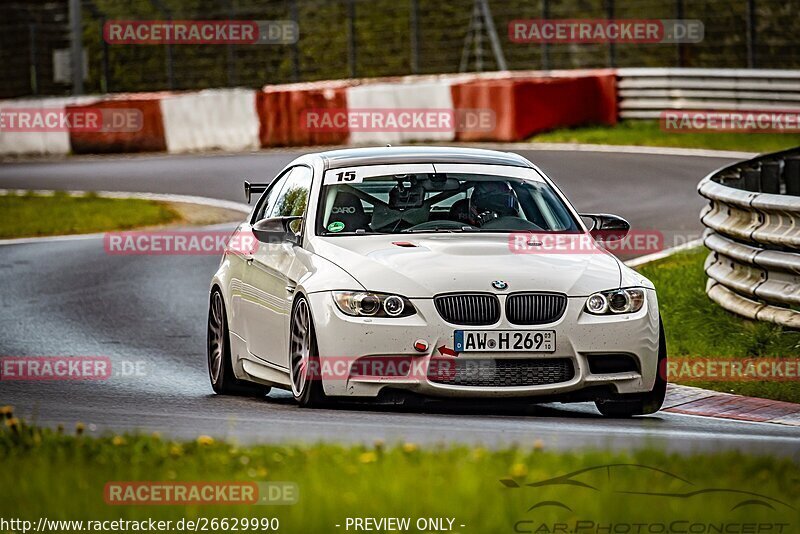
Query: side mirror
[
  {"x": 607, "y": 227},
  {"x": 278, "y": 230},
  {"x": 249, "y": 189}
]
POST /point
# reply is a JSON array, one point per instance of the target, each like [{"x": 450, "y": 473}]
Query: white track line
[{"x": 661, "y": 254}]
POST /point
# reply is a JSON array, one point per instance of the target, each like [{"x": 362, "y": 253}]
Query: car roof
[{"x": 354, "y": 157}]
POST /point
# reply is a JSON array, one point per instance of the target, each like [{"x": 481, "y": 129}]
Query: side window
[
  {"x": 267, "y": 201},
  {"x": 293, "y": 198}
]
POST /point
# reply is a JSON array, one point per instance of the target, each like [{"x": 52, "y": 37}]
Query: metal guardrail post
[
  {"x": 414, "y": 26},
  {"x": 352, "y": 53},
  {"x": 791, "y": 172},
  {"x": 751, "y": 34},
  {"x": 751, "y": 177},
  {"x": 771, "y": 177},
  {"x": 612, "y": 48},
  {"x": 545, "y": 47},
  {"x": 76, "y": 46}
]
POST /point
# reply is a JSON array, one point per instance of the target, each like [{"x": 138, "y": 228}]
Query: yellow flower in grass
[
  {"x": 478, "y": 453},
  {"x": 519, "y": 470},
  {"x": 118, "y": 440},
  {"x": 205, "y": 440},
  {"x": 79, "y": 428},
  {"x": 368, "y": 457},
  {"x": 13, "y": 424},
  {"x": 7, "y": 412},
  {"x": 538, "y": 444},
  {"x": 410, "y": 447},
  {"x": 175, "y": 450}
]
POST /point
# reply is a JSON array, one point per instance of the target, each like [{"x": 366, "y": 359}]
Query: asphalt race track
[
  {"x": 651, "y": 191},
  {"x": 70, "y": 298}
]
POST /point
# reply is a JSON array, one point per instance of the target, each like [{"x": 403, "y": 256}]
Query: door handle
[{"x": 249, "y": 261}]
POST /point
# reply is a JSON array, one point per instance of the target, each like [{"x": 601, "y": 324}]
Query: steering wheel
[{"x": 433, "y": 225}]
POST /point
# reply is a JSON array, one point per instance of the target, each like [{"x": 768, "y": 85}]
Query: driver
[{"x": 493, "y": 200}]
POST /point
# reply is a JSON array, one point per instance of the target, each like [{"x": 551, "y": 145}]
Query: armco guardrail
[
  {"x": 645, "y": 93},
  {"x": 753, "y": 232}
]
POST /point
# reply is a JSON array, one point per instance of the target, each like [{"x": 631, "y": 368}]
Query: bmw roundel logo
[{"x": 499, "y": 284}]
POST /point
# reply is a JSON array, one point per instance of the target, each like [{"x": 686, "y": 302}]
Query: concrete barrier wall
[
  {"x": 416, "y": 95},
  {"x": 280, "y": 111},
  {"x": 522, "y": 104},
  {"x": 38, "y": 143},
  {"x": 148, "y": 138},
  {"x": 214, "y": 119},
  {"x": 525, "y": 106}
]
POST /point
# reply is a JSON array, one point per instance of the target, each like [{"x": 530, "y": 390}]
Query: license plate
[{"x": 505, "y": 340}]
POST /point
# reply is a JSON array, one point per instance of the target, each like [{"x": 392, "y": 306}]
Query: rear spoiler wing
[{"x": 249, "y": 189}]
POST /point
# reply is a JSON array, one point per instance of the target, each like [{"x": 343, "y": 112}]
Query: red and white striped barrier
[
  {"x": 520, "y": 104},
  {"x": 54, "y": 142}
]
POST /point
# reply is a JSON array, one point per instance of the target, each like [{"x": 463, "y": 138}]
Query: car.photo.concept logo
[{"x": 654, "y": 499}]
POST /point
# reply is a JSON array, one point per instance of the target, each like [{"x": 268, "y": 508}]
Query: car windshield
[{"x": 442, "y": 202}]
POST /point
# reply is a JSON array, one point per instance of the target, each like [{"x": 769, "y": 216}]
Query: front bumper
[{"x": 579, "y": 336}]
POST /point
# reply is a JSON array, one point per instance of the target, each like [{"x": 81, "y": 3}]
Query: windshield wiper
[{"x": 441, "y": 229}]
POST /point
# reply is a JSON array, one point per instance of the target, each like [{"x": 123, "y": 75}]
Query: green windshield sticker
[{"x": 336, "y": 226}]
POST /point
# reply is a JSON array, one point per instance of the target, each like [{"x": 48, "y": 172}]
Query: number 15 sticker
[
  {"x": 356, "y": 175},
  {"x": 343, "y": 176}
]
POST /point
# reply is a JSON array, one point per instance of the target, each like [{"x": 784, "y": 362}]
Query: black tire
[
  {"x": 304, "y": 368},
  {"x": 220, "y": 367},
  {"x": 641, "y": 404}
]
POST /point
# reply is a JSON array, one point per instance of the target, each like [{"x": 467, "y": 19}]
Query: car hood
[{"x": 423, "y": 266}]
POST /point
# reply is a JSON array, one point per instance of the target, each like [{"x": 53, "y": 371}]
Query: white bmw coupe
[{"x": 403, "y": 272}]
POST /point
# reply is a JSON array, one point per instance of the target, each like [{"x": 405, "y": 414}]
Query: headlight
[
  {"x": 365, "y": 304},
  {"x": 615, "y": 301}
]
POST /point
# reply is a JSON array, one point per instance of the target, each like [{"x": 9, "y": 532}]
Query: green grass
[
  {"x": 32, "y": 215},
  {"x": 62, "y": 477},
  {"x": 697, "y": 327},
  {"x": 649, "y": 133}
]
